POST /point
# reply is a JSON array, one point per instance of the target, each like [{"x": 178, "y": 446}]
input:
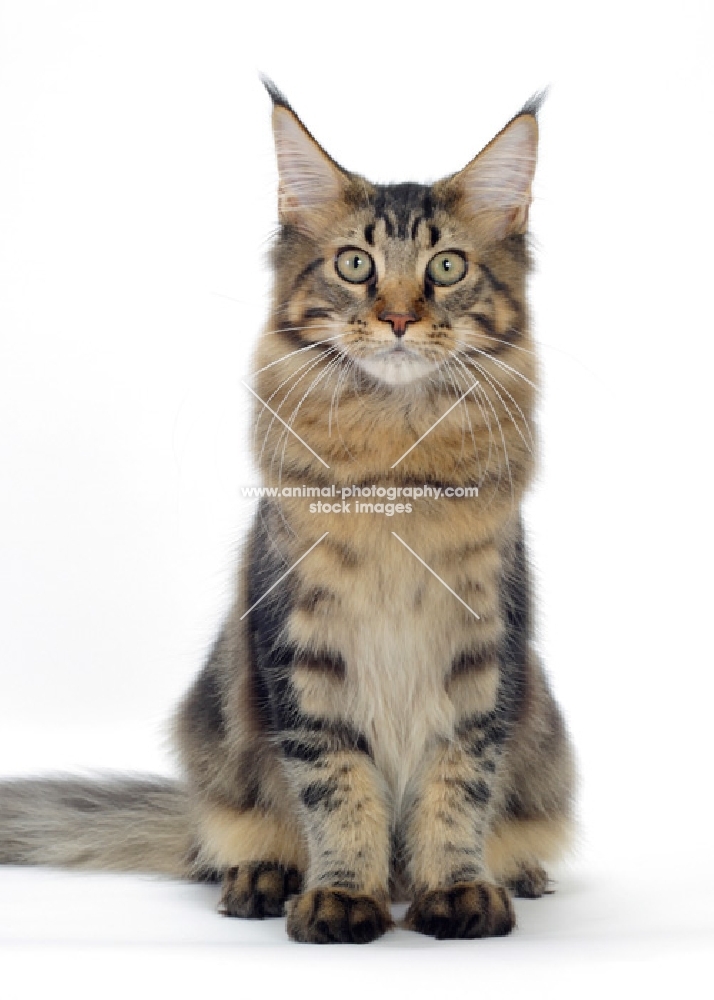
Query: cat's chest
[
  {"x": 398, "y": 629},
  {"x": 397, "y": 649}
]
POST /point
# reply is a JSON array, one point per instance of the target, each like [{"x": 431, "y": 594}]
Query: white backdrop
[{"x": 137, "y": 200}]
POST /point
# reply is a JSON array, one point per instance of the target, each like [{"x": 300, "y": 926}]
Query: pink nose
[{"x": 399, "y": 321}]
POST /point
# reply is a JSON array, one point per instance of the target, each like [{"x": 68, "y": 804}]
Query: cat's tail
[{"x": 121, "y": 824}]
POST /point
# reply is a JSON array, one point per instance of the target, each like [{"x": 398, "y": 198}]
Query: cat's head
[{"x": 403, "y": 279}]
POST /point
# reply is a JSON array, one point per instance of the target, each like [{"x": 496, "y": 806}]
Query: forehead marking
[{"x": 398, "y": 204}]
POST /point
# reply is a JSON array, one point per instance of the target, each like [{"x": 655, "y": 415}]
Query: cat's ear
[
  {"x": 310, "y": 181},
  {"x": 495, "y": 187}
]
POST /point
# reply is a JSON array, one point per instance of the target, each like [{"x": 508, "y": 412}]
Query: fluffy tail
[{"x": 119, "y": 824}]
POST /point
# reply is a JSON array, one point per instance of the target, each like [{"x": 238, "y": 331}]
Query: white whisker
[
  {"x": 299, "y": 350},
  {"x": 491, "y": 379}
]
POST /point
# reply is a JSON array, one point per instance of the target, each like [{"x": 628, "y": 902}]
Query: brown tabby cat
[{"x": 373, "y": 721}]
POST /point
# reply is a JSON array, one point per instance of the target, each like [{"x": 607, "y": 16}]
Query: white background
[{"x": 137, "y": 200}]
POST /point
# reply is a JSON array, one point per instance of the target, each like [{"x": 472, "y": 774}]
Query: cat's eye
[
  {"x": 446, "y": 268},
  {"x": 354, "y": 265}
]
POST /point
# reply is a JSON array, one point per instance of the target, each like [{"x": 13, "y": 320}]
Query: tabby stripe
[
  {"x": 317, "y": 312},
  {"x": 499, "y": 286},
  {"x": 294, "y": 337},
  {"x": 467, "y": 873},
  {"x": 478, "y": 719},
  {"x": 316, "y": 737},
  {"x": 295, "y": 749},
  {"x": 502, "y": 288},
  {"x": 466, "y": 852},
  {"x": 340, "y": 878},
  {"x": 348, "y": 557},
  {"x": 477, "y": 792},
  {"x": 307, "y": 271},
  {"x": 308, "y": 600},
  {"x": 485, "y": 321},
  {"x": 472, "y": 661},
  {"x": 503, "y": 340},
  {"x": 325, "y": 663},
  {"x": 321, "y": 793},
  {"x": 480, "y": 732}
]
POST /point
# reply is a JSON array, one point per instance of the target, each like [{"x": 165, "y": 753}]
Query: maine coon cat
[{"x": 373, "y": 721}]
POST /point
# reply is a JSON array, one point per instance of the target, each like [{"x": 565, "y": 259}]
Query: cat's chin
[{"x": 397, "y": 367}]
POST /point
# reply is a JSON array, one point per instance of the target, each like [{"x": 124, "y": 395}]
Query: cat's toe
[
  {"x": 258, "y": 889},
  {"x": 337, "y": 916},
  {"x": 465, "y": 910},
  {"x": 530, "y": 881}
]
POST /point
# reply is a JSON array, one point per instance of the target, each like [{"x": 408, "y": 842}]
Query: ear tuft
[
  {"x": 534, "y": 103},
  {"x": 276, "y": 95}
]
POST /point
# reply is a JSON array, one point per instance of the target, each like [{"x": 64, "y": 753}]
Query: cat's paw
[
  {"x": 258, "y": 889},
  {"x": 530, "y": 881},
  {"x": 337, "y": 916},
  {"x": 465, "y": 910}
]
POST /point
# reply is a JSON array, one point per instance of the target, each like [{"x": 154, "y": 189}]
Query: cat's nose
[{"x": 399, "y": 321}]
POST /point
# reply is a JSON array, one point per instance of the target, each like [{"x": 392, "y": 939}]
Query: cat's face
[{"x": 403, "y": 279}]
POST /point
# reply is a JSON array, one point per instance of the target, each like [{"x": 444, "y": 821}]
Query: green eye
[
  {"x": 354, "y": 265},
  {"x": 446, "y": 268}
]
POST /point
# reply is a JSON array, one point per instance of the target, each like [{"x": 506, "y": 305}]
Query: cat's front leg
[
  {"x": 454, "y": 895},
  {"x": 345, "y": 818},
  {"x": 344, "y": 812}
]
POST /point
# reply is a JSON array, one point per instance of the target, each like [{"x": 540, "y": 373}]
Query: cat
[{"x": 373, "y": 722}]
